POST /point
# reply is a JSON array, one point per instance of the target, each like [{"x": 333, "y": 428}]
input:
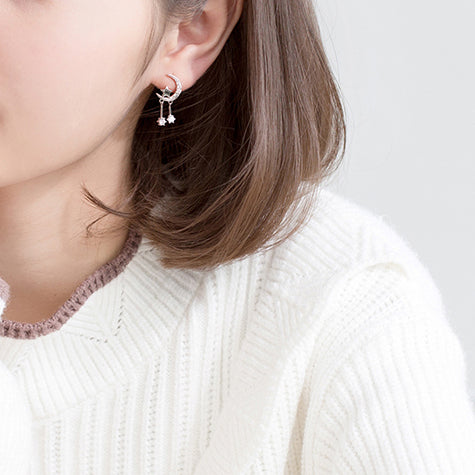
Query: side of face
[{"x": 67, "y": 71}]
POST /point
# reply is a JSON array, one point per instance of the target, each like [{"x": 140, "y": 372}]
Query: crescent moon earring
[{"x": 167, "y": 96}]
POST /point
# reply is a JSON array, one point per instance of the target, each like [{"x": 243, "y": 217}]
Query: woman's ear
[{"x": 188, "y": 48}]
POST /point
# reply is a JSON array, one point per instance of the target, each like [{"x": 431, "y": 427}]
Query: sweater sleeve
[
  {"x": 396, "y": 398},
  {"x": 15, "y": 426}
]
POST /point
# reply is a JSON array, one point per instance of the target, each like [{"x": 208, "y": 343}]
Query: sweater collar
[{"x": 96, "y": 307}]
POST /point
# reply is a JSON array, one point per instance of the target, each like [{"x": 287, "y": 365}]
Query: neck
[{"x": 45, "y": 252}]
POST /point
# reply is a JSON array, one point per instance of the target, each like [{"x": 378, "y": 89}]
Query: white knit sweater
[{"x": 330, "y": 354}]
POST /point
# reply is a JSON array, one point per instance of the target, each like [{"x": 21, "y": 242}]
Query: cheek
[{"x": 63, "y": 89}]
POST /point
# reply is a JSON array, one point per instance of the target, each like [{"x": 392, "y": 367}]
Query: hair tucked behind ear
[{"x": 257, "y": 132}]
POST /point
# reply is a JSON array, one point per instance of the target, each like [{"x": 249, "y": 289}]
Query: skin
[{"x": 69, "y": 103}]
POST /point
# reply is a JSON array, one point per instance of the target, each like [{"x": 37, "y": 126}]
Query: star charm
[
  {"x": 161, "y": 121},
  {"x": 171, "y": 119}
]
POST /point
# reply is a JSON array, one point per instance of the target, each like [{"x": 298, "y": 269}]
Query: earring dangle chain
[{"x": 167, "y": 96}]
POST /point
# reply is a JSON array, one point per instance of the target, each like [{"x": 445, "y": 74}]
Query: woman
[{"x": 180, "y": 291}]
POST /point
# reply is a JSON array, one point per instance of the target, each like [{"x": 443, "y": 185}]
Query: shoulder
[
  {"x": 340, "y": 233},
  {"x": 342, "y": 238},
  {"x": 345, "y": 279}
]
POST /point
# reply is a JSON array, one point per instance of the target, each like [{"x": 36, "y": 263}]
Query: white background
[{"x": 406, "y": 69}]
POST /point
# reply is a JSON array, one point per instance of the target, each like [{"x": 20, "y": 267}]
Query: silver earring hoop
[{"x": 168, "y": 97}]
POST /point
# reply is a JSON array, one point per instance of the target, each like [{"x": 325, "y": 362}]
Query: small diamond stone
[
  {"x": 171, "y": 119},
  {"x": 167, "y": 92},
  {"x": 161, "y": 121}
]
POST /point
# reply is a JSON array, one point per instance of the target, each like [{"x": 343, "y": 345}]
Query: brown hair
[{"x": 260, "y": 129}]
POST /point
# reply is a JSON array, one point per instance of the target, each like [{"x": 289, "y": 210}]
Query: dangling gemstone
[
  {"x": 162, "y": 121},
  {"x": 171, "y": 119}
]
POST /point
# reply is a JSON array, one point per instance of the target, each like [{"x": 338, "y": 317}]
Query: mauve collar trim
[{"x": 96, "y": 280}]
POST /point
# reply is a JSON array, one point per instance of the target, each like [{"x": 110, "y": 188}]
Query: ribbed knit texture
[
  {"x": 15, "y": 426},
  {"x": 332, "y": 353}
]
